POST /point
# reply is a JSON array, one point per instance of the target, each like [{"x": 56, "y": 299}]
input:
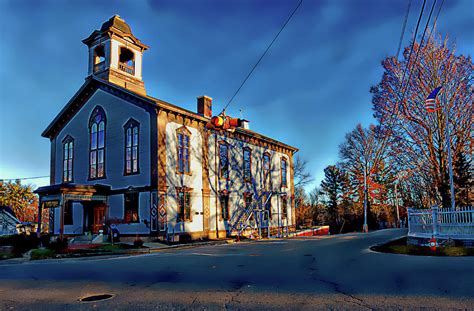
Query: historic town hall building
[{"x": 148, "y": 167}]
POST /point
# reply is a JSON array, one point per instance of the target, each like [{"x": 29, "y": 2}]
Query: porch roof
[{"x": 71, "y": 188}]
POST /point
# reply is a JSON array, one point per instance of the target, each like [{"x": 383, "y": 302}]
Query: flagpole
[{"x": 450, "y": 161}]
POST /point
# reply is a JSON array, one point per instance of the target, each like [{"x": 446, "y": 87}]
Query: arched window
[
  {"x": 183, "y": 137},
  {"x": 68, "y": 157},
  {"x": 127, "y": 61},
  {"x": 283, "y": 172},
  {"x": 132, "y": 129},
  {"x": 97, "y": 124}
]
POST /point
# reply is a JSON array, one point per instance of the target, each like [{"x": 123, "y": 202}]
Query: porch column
[
  {"x": 61, "y": 217},
  {"x": 40, "y": 212}
]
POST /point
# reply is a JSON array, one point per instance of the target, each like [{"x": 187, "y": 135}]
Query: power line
[
  {"x": 261, "y": 57},
  {"x": 403, "y": 29},
  {"x": 417, "y": 52},
  {"x": 23, "y": 178},
  {"x": 379, "y": 151},
  {"x": 409, "y": 68}
]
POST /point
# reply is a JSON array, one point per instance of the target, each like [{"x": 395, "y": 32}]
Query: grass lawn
[
  {"x": 42, "y": 253},
  {"x": 116, "y": 247},
  {"x": 400, "y": 246},
  {"x": 6, "y": 255}
]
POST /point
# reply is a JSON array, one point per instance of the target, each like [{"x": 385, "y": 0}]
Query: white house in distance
[{"x": 151, "y": 168}]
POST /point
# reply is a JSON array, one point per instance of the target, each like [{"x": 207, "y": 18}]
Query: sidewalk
[{"x": 89, "y": 250}]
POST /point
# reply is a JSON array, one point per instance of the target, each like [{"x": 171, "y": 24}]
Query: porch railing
[{"x": 456, "y": 224}]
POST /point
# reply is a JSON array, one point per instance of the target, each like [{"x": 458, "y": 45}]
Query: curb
[{"x": 127, "y": 252}]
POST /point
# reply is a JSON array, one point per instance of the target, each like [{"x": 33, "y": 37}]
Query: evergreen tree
[{"x": 463, "y": 181}]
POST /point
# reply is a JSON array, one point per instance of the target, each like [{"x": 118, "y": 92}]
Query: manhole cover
[{"x": 95, "y": 298}]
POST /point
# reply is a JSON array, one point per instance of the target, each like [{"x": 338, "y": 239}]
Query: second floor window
[
  {"x": 97, "y": 144},
  {"x": 68, "y": 156},
  {"x": 183, "y": 137},
  {"x": 247, "y": 164},
  {"x": 266, "y": 170},
  {"x": 224, "y": 160},
  {"x": 283, "y": 172},
  {"x": 131, "y": 146}
]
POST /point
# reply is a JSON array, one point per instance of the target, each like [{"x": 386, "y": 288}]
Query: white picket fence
[{"x": 455, "y": 224}]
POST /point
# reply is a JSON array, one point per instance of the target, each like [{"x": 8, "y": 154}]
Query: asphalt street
[{"x": 334, "y": 272}]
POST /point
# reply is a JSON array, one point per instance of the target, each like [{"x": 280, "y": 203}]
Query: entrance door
[{"x": 99, "y": 218}]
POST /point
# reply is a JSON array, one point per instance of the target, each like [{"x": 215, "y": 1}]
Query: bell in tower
[{"x": 115, "y": 55}]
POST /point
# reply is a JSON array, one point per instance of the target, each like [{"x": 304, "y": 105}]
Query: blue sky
[{"x": 310, "y": 89}]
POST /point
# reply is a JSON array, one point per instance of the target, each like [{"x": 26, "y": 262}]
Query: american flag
[{"x": 430, "y": 102}]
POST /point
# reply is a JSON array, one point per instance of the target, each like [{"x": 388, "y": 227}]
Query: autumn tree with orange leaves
[
  {"x": 417, "y": 137},
  {"x": 21, "y": 199}
]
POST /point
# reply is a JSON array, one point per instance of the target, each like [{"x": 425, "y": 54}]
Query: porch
[{"x": 64, "y": 201}]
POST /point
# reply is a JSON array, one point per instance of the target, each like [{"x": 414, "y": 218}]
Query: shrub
[
  {"x": 45, "y": 239},
  {"x": 58, "y": 245},
  {"x": 138, "y": 243},
  {"x": 21, "y": 243}
]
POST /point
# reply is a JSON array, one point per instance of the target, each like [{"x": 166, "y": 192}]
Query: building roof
[
  {"x": 93, "y": 83},
  {"x": 115, "y": 25},
  {"x": 8, "y": 210},
  {"x": 75, "y": 188},
  {"x": 118, "y": 23}
]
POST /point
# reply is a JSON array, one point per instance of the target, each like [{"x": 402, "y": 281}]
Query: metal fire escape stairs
[{"x": 242, "y": 217}]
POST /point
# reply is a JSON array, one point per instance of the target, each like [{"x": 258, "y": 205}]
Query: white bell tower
[{"x": 115, "y": 55}]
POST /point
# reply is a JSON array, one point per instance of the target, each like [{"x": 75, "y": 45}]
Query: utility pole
[
  {"x": 366, "y": 227},
  {"x": 215, "y": 182},
  {"x": 396, "y": 204}
]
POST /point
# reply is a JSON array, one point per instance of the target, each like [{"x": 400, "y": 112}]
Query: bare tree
[{"x": 418, "y": 136}]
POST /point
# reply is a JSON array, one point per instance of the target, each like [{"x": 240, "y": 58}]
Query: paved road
[{"x": 337, "y": 272}]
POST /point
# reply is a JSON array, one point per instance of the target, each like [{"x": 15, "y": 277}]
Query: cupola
[{"x": 115, "y": 55}]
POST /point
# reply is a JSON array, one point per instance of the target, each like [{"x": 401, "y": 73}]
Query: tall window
[
  {"x": 97, "y": 144},
  {"x": 183, "y": 137},
  {"x": 184, "y": 204},
  {"x": 266, "y": 170},
  {"x": 68, "y": 156},
  {"x": 284, "y": 206},
  {"x": 131, "y": 146},
  {"x": 247, "y": 164},
  {"x": 224, "y": 198},
  {"x": 283, "y": 172},
  {"x": 131, "y": 207},
  {"x": 224, "y": 160}
]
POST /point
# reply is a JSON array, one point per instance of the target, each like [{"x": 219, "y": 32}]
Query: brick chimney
[{"x": 204, "y": 106}]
